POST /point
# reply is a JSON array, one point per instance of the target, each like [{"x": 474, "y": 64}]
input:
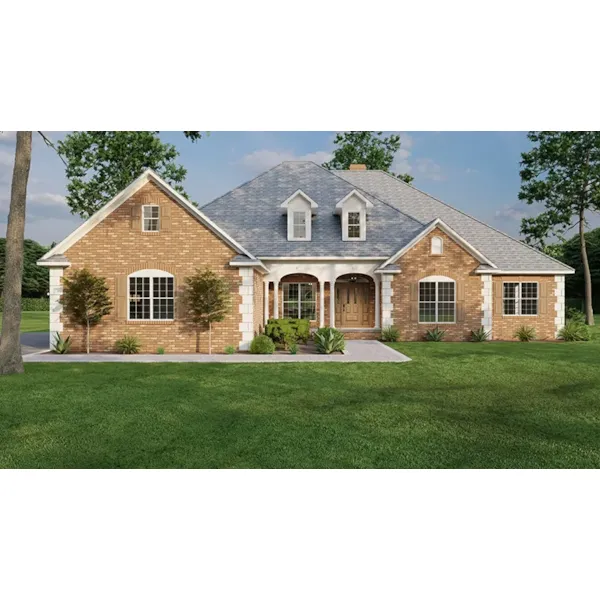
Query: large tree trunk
[
  {"x": 11, "y": 360},
  {"x": 587, "y": 276}
]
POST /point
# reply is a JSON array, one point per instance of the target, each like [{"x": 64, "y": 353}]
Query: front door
[{"x": 352, "y": 304}]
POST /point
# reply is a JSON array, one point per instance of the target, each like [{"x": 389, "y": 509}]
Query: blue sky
[{"x": 477, "y": 172}]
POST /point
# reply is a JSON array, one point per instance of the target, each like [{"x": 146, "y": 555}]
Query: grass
[
  {"x": 455, "y": 405},
  {"x": 32, "y": 321}
]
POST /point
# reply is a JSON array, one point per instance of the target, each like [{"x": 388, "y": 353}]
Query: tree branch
[{"x": 50, "y": 144}]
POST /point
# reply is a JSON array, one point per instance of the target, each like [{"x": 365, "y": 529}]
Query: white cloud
[
  {"x": 261, "y": 160},
  {"x": 401, "y": 164},
  {"x": 47, "y": 198},
  {"x": 469, "y": 171},
  {"x": 511, "y": 212},
  {"x": 429, "y": 169}
]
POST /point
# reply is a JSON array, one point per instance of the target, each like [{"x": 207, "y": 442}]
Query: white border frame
[
  {"x": 151, "y": 274},
  {"x": 518, "y": 299},
  {"x": 436, "y": 279},
  {"x": 151, "y": 218}
]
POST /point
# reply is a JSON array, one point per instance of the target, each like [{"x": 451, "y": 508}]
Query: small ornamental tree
[
  {"x": 207, "y": 300},
  {"x": 85, "y": 300}
]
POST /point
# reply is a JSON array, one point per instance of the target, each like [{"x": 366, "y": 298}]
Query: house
[{"x": 359, "y": 250}]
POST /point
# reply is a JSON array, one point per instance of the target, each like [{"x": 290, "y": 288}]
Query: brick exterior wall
[
  {"x": 504, "y": 327},
  {"x": 117, "y": 247}
]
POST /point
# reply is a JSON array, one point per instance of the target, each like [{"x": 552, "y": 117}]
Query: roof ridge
[
  {"x": 333, "y": 172},
  {"x": 477, "y": 220}
]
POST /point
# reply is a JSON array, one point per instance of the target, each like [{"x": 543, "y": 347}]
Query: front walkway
[
  {"x": 356, "y": 351},
  {"x": 34, "y": 342}
]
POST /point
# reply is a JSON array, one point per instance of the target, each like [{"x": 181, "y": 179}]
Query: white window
[
  {"x": 299, "y": 224},
  {"x": 437, "y": 245},
  {"x": 520, "y": 298},
  {"x": 354, "y": 225},
  {"x": 437, "y": 300},
  {"x": 151, "y": 218},
  {"x": 299, "y": 301},
  {"x": 151, "y": 296}
]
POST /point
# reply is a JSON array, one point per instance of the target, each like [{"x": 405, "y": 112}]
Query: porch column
[
  {"x": 276, "y": 299},
  {"x": 332, "y": 303},
  {"x": 387, "y": 293},
  {"x": 377, "y": 302},
  {"x": 321, "y": 303},
  {"x": 266, "y": 299},
  {"x": 56, "y": 290}
]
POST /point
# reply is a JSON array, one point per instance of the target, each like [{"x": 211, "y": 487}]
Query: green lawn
[
  {"x": 32, "y": 321},
  {"x": 455, "y": 405}
]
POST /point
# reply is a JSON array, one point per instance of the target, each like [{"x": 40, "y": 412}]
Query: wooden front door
[{"x": 352, "y": 304}]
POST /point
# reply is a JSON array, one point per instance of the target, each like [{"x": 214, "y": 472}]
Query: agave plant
[
  {"x": 61, "y": 346},
  {"x": 328, "y": 340},
  {"x": 480, "y": 335},
  {"x": 575, "y": 331},
  {"x": 525, "y": 333},
  {"x": 435, "y": 335},
  {"x": 128, "y": 344}
]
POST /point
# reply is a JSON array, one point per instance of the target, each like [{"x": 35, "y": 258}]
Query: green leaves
[
  {"x": 207, "y": 297},
  {"x": 102, "y": 163},
  {"x": 365, "y": 148},
  {"x": 85, "y": 297}
]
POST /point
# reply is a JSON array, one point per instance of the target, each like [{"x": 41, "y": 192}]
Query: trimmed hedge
[
  {"x": 283, "y": 330},
  {"x": 31, "y": 304}
]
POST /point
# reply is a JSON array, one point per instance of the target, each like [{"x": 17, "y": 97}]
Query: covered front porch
[{"x": 347, "y": 296}]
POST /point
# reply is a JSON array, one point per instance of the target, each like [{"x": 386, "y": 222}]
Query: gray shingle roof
[{"x": 251, "y": 215}]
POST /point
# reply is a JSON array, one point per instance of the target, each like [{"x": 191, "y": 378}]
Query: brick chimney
[{"x": 358, "y": 167}]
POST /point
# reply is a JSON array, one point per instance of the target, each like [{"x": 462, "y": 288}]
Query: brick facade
[{"x": 117, "y": 247}]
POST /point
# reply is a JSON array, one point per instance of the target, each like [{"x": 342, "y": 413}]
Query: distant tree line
[{"x": 35, "y": 279}]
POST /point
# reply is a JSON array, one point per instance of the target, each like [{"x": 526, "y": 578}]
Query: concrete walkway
[
  {"x": 34, "y": 342},
  {"x": 356, "y": 351}
]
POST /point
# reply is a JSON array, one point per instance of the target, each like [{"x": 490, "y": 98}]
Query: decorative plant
[
  {"x": 262, "y": 344},
  {"x": 160, "y": 350},
  {"x": 575, "y": 331},
  {"x": 328, "y": 340},
  {"x": 85, "y": 300},
  {"x": 293, "y": 348},
  {"x": 390, "y": 334},
  {"x": 61, "y": 346},
  {"x": 525, "y": 333},
  {"x": 574, "y": 314},
  {"x": 229, "y": 349},
  {"x": 435, "y": 335},
  {"x": 277, "y": 329},
  {"x": 128, "y": 344},
  {"x": 208, "y": 300},
  {"x": 480, "y": 335}
]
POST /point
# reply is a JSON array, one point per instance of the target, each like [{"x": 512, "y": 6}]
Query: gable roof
[{"x": 147, "y": 176}]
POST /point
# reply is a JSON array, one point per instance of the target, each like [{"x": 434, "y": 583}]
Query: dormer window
[
  {"x": 299, "y": 209},
  {"x": 437, "y": 245},
  {"x": 354, "y": 225},
  {"x": 353, "y": 210}
]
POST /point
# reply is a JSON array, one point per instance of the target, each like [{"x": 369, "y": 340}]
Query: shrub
[
  {"x": 480, "y": 335},
  {"x": 160, "y": 350},
  {"x": 574, "y": 314},
  {"x": 128, "y": 344},
  {"x": 262, "y": 344},
  {"x": 277, "y": 329},
  {"x": 61, "y": 346},
  {"x": 31, "y": 304},
  {"x": 525, "y": 333},
  {"x": 229, "y": 349},
  {"x": 390, "y": 334},
  {"x": 575, "y": 331},
  {"x": 293, "y": 348},
  {"x": 328, "y": 340},
  {"x": 435, "y": 335}
]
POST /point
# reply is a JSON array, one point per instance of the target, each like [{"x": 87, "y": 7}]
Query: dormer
[
  {"x": 300, "y": 209},
  {"x": 353, "y": 210}
]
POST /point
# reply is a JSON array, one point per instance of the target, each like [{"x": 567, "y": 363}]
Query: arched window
[
  {"x": 437, "y": 245},
  {"x": 151, "y": 295},
  {"x": 437, "y": 300}
]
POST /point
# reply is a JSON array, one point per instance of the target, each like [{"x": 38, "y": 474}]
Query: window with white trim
[
  {"x": 437, "y": 245},
  {"x": 437, "y": 301},
  {"x": 150, "y": 218},
  {"x": 151, "y": 298},
  {"x": 299, "y": 301},
  {"x": 299, "y": 224},
  {"x": 520, "y": 299},
  {"x": 354, "y": 225}
]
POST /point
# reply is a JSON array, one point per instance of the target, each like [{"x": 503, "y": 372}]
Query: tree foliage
[
  {"x": 562, "y": 172},
  {"x": 35, "y": 279},
  {"x": 86, "y": 300},
  {"x": 366, "y": 148},
  {"x": 99, "y": 164},
  {"x": 207, "y": 299}
]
